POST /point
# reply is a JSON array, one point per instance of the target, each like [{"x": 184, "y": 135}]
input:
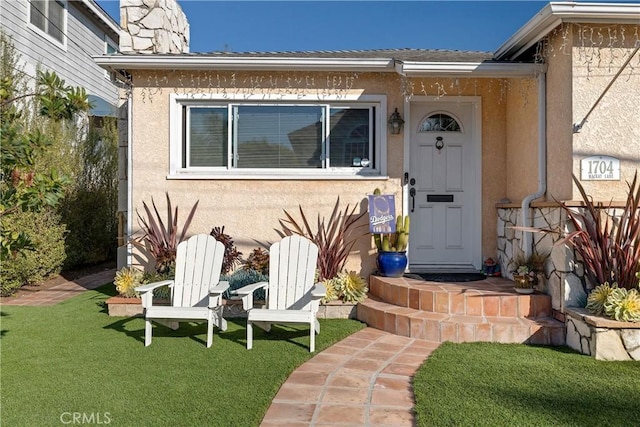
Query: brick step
[
  {"x": 440, "y": 327},
  {"x": 489, "y": 298}
]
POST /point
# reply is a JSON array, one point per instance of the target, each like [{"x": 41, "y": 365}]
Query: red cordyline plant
[
  {"x": 162, "y": 241},
  {"x": 608, "y": 244},
  {"x": 334, "y": 237}
]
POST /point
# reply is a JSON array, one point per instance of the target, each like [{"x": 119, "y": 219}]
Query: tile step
[
  {"x": 490, "y": 298},
  {"x": 440, "y": 327}
]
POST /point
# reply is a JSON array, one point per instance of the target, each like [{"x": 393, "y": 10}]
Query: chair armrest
[
  {"x": 147, "y": 297},
  {"x": 219, "y": 288},
  {"x": 318, "y": 291},
  {"x": 246, "y": 293},
  {"x": 215, "y": 293},
  {"x": 151, "y": 286}
]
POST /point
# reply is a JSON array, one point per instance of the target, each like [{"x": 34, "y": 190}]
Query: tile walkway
[{"x": 363, "y": 380}]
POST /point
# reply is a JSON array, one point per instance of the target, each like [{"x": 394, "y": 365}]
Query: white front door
[{"x": 444, "y": 185}]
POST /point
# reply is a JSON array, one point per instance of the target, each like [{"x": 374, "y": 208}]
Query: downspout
[
  {"x": 129, "y": 176},
  {"x": 527, "y": 236}
]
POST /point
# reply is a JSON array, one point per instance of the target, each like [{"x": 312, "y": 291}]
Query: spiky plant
[
  {"x": 258, "y": 260},
  {"x": 598, "y": 298},
  {"x": 332, "y": 292},
  {"x": 334, "y": 237},
  {"x": 623, "y": 305},
  {"x": 351, "y": 287},
  {"x": 126, "y": 281},
  {"x": 231, "y": 254},
  {"x": 609, "y": 247},
  {"x": 162, "y": 241}
]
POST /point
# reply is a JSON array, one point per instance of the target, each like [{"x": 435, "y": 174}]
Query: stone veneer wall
[
  {"x": 602, "y": 338},
  {"x": 153, "y": 26},
  {"x": 563, "y": 276}
]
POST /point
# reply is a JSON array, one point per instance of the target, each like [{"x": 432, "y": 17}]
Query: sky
[{"x": 265, "y": 26}]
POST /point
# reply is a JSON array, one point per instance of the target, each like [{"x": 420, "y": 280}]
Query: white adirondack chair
[
  {"x": 196, "y": 291},
  {"x": 291, "y": 296}
]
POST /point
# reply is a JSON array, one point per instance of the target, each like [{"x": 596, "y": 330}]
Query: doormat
[{"x": 446, "y": 277}]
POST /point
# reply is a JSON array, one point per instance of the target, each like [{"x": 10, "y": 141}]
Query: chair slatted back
[
  {"x": 198, "y": 266},
  {"x": 292, "y": 267}
]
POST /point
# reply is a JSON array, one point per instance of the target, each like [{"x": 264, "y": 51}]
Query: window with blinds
[{"x": 278, "y": 136}]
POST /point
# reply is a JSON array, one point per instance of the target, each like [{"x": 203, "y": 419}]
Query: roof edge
[
  {"x": 155, "y": 62},
  {"x": 555, "y": 13},
  {"x": 102, "y": 15},
  {"x": 469, "y": 69}
]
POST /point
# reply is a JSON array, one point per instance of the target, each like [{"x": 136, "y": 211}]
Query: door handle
[{"x": 412, "y": 193}]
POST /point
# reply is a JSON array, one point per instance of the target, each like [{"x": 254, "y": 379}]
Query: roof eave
[
  {"x": 554, "y": 14},
  {"x": 104, "y": 17},
  {"x": 173, "y": 62},
  {"x": 468, "y": 69}
]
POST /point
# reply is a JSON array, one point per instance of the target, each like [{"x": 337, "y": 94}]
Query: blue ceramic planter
[{"x": 391, "y": 264}]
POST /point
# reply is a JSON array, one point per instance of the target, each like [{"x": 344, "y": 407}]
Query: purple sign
[{"x": 382, "y": 213}]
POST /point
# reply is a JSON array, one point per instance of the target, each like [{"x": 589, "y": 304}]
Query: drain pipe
[{"x": 527, "y": 236}]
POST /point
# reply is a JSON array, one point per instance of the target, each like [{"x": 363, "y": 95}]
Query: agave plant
[
  {"x": 598, "y": 298},
  {"x": 623, "y": 305},
  {"x": 351, "y": 287},
  {"x": 160, "y": 240},
  {"x": 332, "y": 292},
  {"x": 334, "y": 237},
  {"x": 126, "y": 281}
]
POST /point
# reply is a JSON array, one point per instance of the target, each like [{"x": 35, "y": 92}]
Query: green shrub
[{"x": 47, "y": 234}]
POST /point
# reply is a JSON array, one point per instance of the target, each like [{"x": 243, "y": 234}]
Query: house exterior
[
  {"x": 490, "y": 139},
  {"x": 62, "y": 36}
]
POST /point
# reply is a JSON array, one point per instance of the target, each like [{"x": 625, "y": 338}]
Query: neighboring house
[
  {"x": 487, "y": 136},
  {"x": 62, "y": 36}
]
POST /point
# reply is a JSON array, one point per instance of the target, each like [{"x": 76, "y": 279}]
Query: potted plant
[
  {"x": 392, "y": 249},
  {"x": 526, "y": 270}
]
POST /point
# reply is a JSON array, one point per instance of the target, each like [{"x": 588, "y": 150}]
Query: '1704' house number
[{"x": 600, "y": 168}]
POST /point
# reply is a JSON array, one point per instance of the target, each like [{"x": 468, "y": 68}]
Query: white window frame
[
  {"x": 65, "y": 14},
  {"x": 222, "y": 100},
  {"x": 110, "y": 75}
]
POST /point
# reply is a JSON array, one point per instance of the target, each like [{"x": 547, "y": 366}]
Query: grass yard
[
  {"x": 483, "y": 384},
  {"x": 74, "y": 358}
]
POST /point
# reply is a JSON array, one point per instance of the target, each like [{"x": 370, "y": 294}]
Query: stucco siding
[
  {"x": 522, "y": 135},
  {"x": 250, "y": 209},
  {"x": 559, "y": 118},
  {"x": 613, "y": 128},
  {"x": 73, "y": 63}
]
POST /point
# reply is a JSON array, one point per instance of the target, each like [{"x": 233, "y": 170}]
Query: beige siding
[
  {"x": 613, "y": 128},
  {"x": 250, "y": 209}
]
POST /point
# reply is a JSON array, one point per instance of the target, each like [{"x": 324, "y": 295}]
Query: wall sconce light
[{"x": 395, "y": 123}]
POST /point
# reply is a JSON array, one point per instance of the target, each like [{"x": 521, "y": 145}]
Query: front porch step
[
  {"x": 494, "y": 297},
  {"x": 440, "y": 327}
]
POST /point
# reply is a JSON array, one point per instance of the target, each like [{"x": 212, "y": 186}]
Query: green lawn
[
  {"x": 482, "y": 384},
  {"x": 74, "y": 358}
]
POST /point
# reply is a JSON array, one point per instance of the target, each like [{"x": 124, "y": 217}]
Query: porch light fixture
[{"x": 395, "y": 123}]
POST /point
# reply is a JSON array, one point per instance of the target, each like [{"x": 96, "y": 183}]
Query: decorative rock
[
  {"x": 630, "y": 338},
  {"x": 609, "y": 346},
  {"x": 141, "y": 44},
  {"x": 161, "y": 22}
]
